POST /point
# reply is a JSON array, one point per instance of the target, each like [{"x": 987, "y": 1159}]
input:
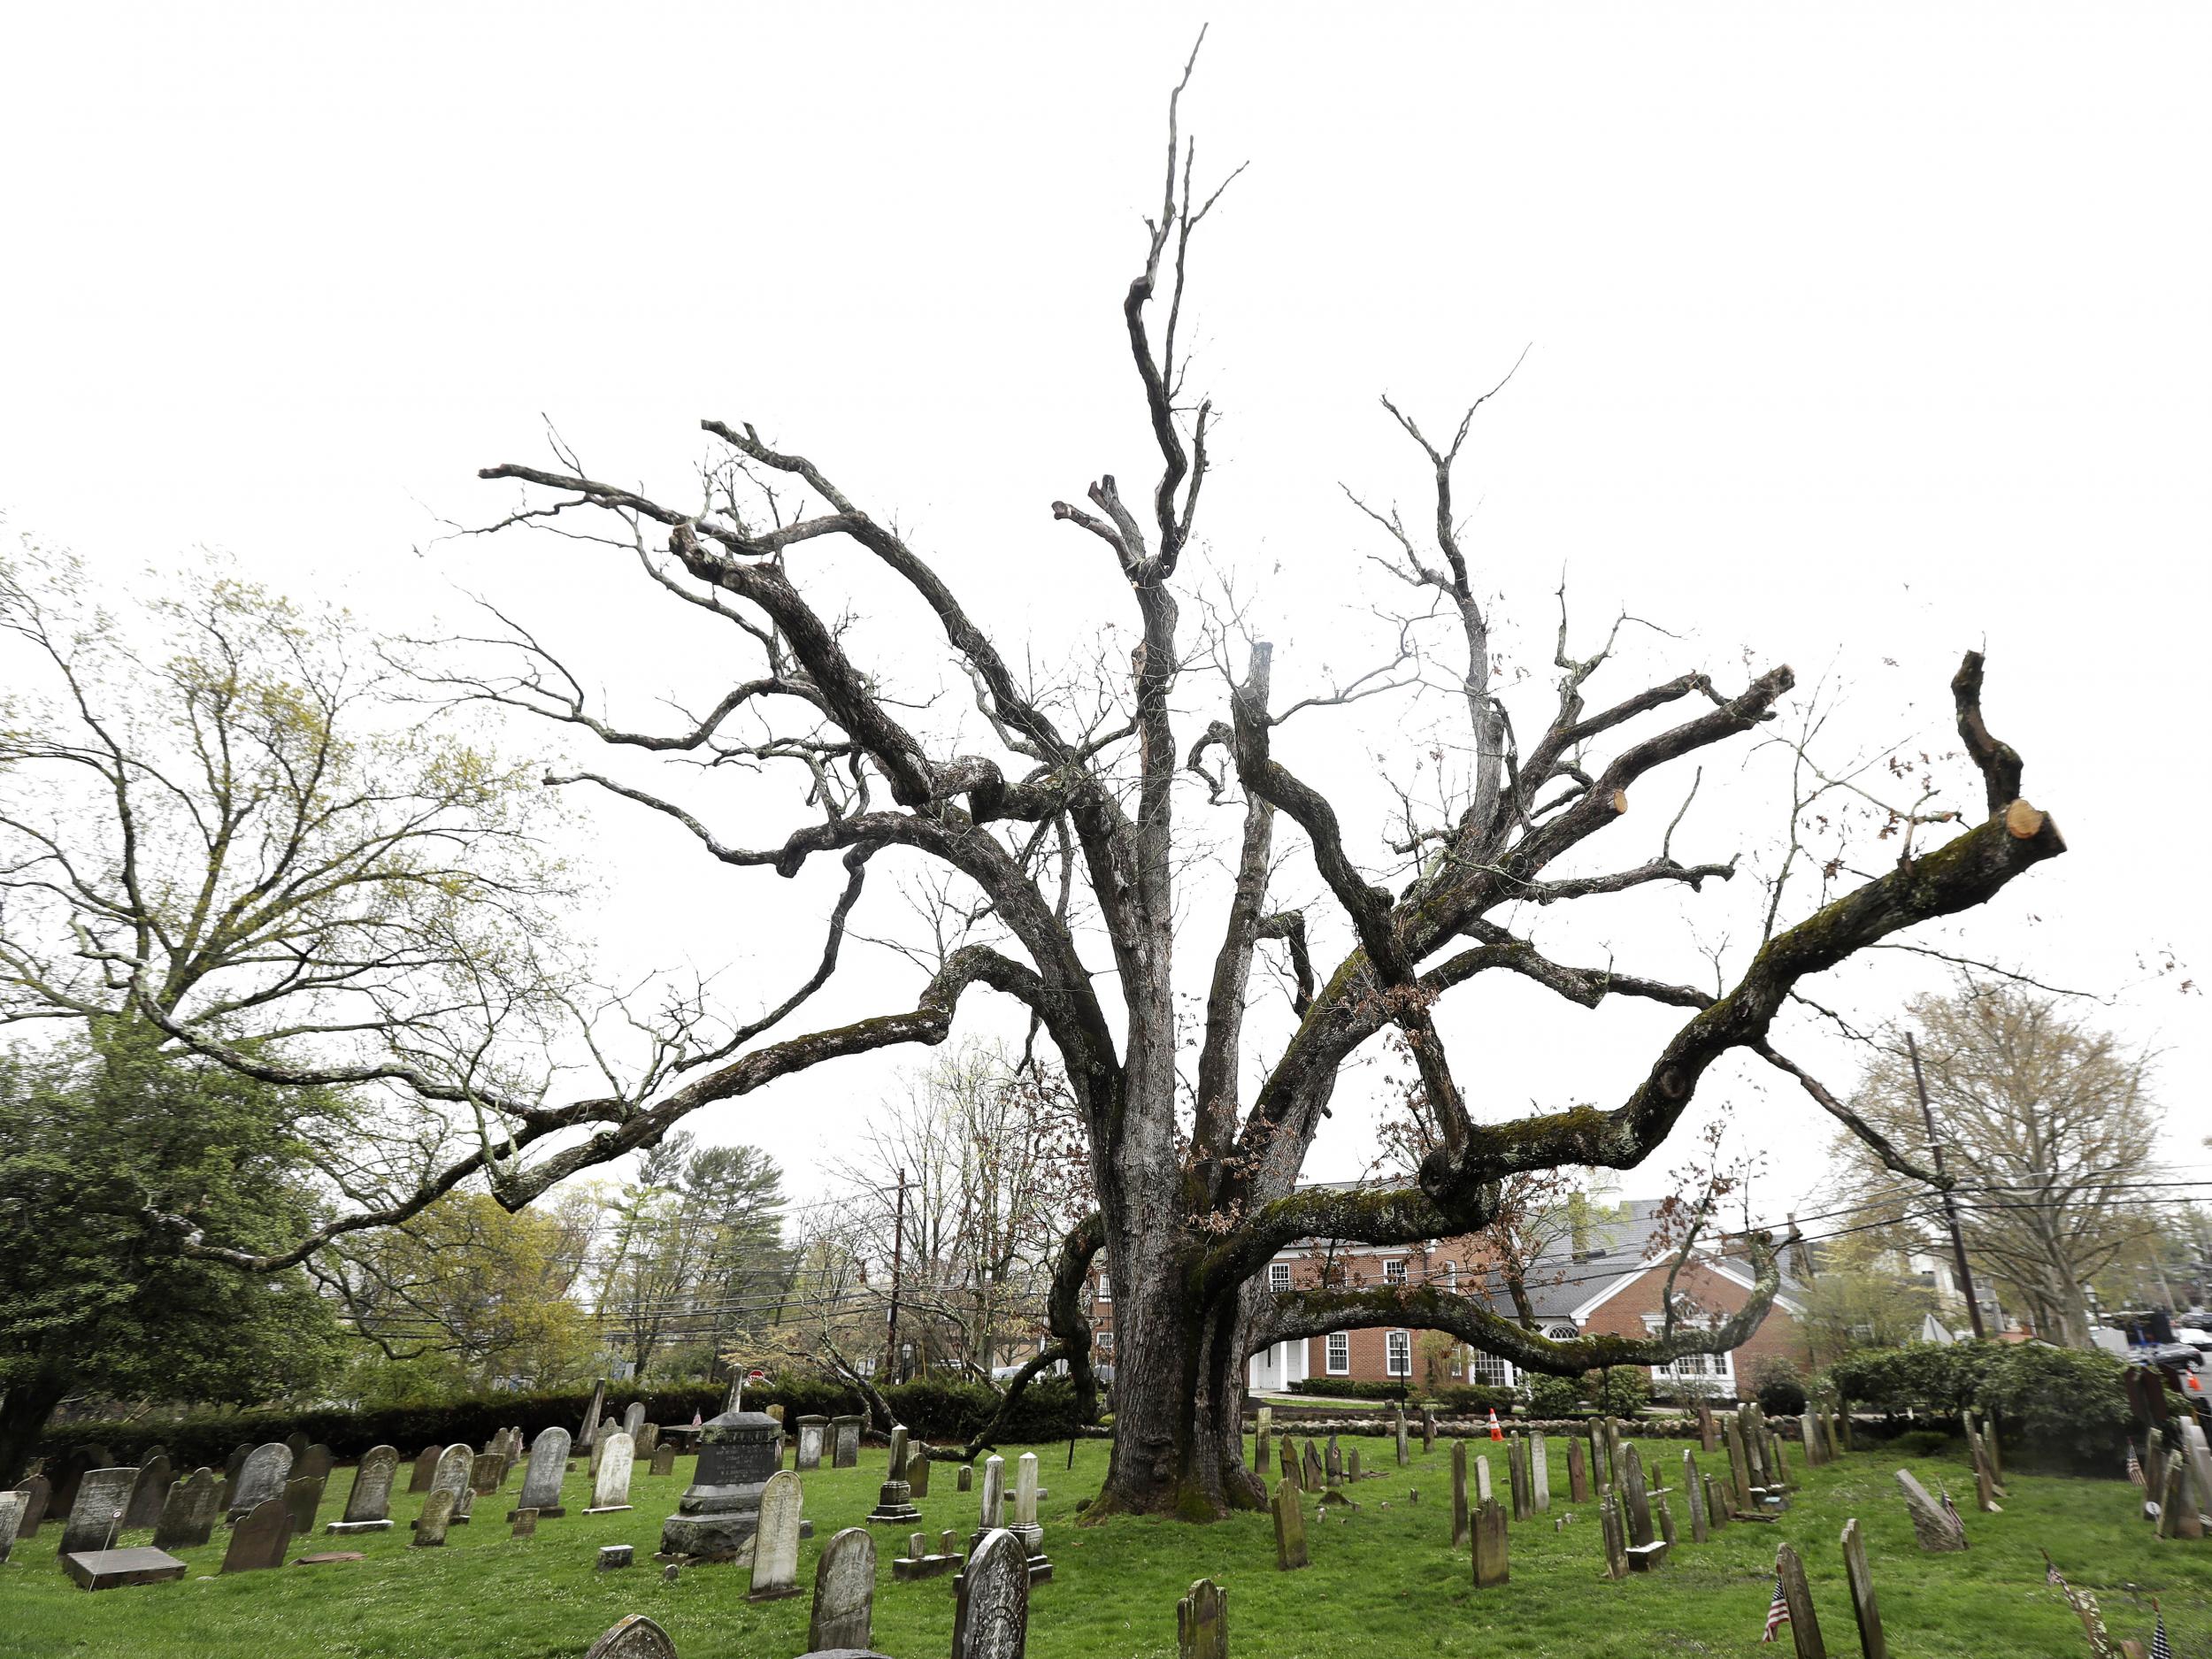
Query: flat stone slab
[
  {"x": 113, "y": 1569},
  {"x": 1644, "y": 1557},
  {"x": 910, "y": 1567},
  {"x": 612, "y": 1509},
  {"x": 346, "y": 1528},
  {"x": 324, "y": 1558}
]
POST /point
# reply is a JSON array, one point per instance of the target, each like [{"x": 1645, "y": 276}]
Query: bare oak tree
[{"x": 1066, "y": 831}]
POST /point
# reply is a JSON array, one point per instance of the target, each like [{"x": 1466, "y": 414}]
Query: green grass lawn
[{"x": 1384, "y": 1581}]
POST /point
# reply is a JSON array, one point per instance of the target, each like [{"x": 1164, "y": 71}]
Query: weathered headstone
[
  {"x": 1290, "y": 1526},
  {"x": 12, "y": 1506},
  {"x": 1290, "y": 1464},
  {"x": 369, "y": 1503},
  {"x": 848, "y": 1453},
  {"x": 636, "y": 1637},
  {"x": 1201, "y": 1623},
  {"x": 917, "y": 1461},
  {"x": 810, "y": 1436},
  {"x": 542, "y": 1476},
  {"x": 93, "y": 1516},
  {"x": 1538, "y": 1472},
  {"x": 486, "y": 1471},
  {"x": 296, "y": 1443},
  {"x": 37, "y": 1493},
  {"x": 261, "y": 1477},
  {"x": 1482, "y": 1480},
  {"x": 966, "y": 1480},
  {"x": 633, "y": 1419},
  {"x": 590, "y": 1432},
  {"x": 111, "y": 1569},
  {"x": 648, "y": 1439},
  {"x": 452, "y": 1476},
  {"x": 610, "y": 1491},
  {"x": 1332, "y": 1462},
  {"x": 261, "y": 1538},
  {"x": 844, "y": 1591},
  {"x": 1639, "y": 1500},
  {"x": 437, "y": 1515},
  {"x": 1616, "y": 1543},
  {"x": 318, "y": 1459},
  {"x": 1694, "y": 1494},
  {"x": 1312, "y": 1477},
  {"x": 1262, "y": 1435},
  {"x": 1716, "y": 1503},
  {"x": 1804, "y": 1623},
  {"x": 1872, "y": 1644},
  {"x": 664, "y": 1458},
  {"x": 992, "y": 1510},
  {"x": 776, "y": 1544},
  {"x": 1934, "y": 1527},
  {"x": 425, "y": 1468},
  {"x": 1460, "y": 1513},
  {"x": 1708, "y": 1431},
  {"x": 1428, "y": 1428},
  {"x": 1739, "y": 1464},
  {"x": 1578, "y": 1473},
  {"x": 895, "y": 1498},
  {"x": 2174, "y": 1498},
  {"x": 149, "y": 1493},
  {"x": 1398, "y": 1423},
  {"x": 1351, "y": 1465},
  {"x": 304, "y": 1495},
  {"x": 1025, "y": 1527},
  {"x": 719, "y": 1512},
  {"x": 612, "y": 1558},
  {"x": 991, "y": 1604},
  {"x": 523, "y": 1524},
  {"x": 1490, "y": 1546}
]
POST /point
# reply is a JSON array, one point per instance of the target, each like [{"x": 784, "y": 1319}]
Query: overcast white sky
[{"x": 1859, "y": 335}]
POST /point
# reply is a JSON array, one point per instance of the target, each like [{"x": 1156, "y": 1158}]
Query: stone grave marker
[
  {"x": 1351, "y": 1466},
  {"x": 261, "y": 1538},
  {"x": 1640, "y": 1531},
  {"x": 966, "y": 1480},
  {"x": 1312, "y": 1477},
  {"x": 487, "y": 1470},
  {"x": 810, "y": 1434},
  {"x": 1739, "y": 1464},
  {"x": 425, "y": 1468},
  {"x": 1872, "y": 1645},
  {"x": 612, "y": 1558},
  {"x": 1428, "y": 1428},
  {"x": 921, "y": 1562},
  {"x": 452, "y": 1476},
  {"x": 894, "y": 1499},
  {"x": 844, "y": 1591},
  {"x": 1025, "y": 1527},
  {"x": 261, "y": 1476},
  {"x": 1716, "y": 1503},
  {"x": 101, "y": 1495},
  {"x": 665, "y": 1458},
  {"x": 1934, "y": 1529},
  {"x": 648, "y": 1439},
  {"x": 847, "y": 1452},
  {"x": 187, "y": 1513},
  {"x": 113, "y": 1569},
  {"x": 1708, "y": 1431},
  {"x": 610, "y": 1491},
  {"x": 1290, "y": 1526},
  {"x": 11, "y": 1507},
  {"x": 1804, "y": 1623},
  {"x": 1664, "y": 1513},
  {"x": 525, "y": 1523},
  {"x": 1397, "y": 1423},
  {"x": 991, "y": 1511},
  {"x": 918, "y": 1473},
  {"x": 776, "y": 1545},
  {"x": 1460, "y": 1512},
  {"x": 633, "y": 1419},
  {"x": 1263, "y": 1434},
  {"x": 542, "y": 1476},
  {"x": 1333, "y": 1463},
  {"x": 589, "y": 1431},
  {"x": 719, "y": 1513},
  {"x": 1693, "y": 1492},
  {"x": 316, "y": 1460},
  {"x": 991, "y": 1602},
  {"x": 1482, "y": 1480},
  {"x": 296, "y": 1443},
  {"x": 1809, "y": 1432},
  {"x": 1490, "y": 1546},
  {"x": 1616, "y": 1544},
  {"x": 636, "y": 1637},
  {"x": 304, "y": 1495},
  {"x": 369, "y": 1503},
  {"x": 149, "y": 1493},
  {"x": 1201, "y": 1623},
  {"x": 437, "y": 1515},
  {"x": 1538, "y": 1471},
  {"x": 1290, "y": 1463},
  {"x": 1578, "y": 1473},
  {"x": 37, "y": 1492}
]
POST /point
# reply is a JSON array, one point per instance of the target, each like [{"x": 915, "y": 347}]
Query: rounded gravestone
[{"x": 636, "y": 1637}]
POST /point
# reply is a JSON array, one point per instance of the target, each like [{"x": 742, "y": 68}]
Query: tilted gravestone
[
  {"x": 1640, "y": 1531},
  {"x": 261, "y": 1538},
  {"x": 149, "y": 1493},
  {"x": 1616, "y": 1541},
  {"x": 1201, "y": 1622},
  {"x": 1931, "y": 1524},
  {"x": 636, "y": 1637},
  {"x": 1290, "y": 1527},
  {"x": 1290, "y": 1463},
  {"x": 260, "y": 1478},
  {"x": 542, "y": 1476},
  {"x": 1351, "y": 1466},
  {"x": 296, "y": 1443},
  {"x": 437, "y": 1515},
  {"x": 425, "y": 1468},
  {"x": 304, "y": 1495},
  {"x": 844, "y": 1591},
  {"x": 1312, "y": 1477},
  {"x": 452, "y": 1478},
  {"x": 38, "y": 1493},
  {"x": 633, "y": 1419},
  {"x": 590, "y": 1430},
  {"x": 1798, "y": 1595},
  {"x": 1460, "y": 1510},
  {"x": 610, "y": 1491},
  {"x": 1578, "y": 1473},
  {"x": 776, "y": 1545},
  {"x": 316, "y": 1460},
  {"x": 1490, "y": 1546},
  {"x": 369, "y": 1503},
  {"x": 93, "y": 1518},
  {"x": 1716, "y": 1503},
  {"x": 1693, "y": 1492},
  {"x": 1872, "y": 1643},
  {"x": 991, "y": 1603}
]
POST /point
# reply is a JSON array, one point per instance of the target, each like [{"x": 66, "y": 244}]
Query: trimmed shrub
[
  {"x": 1618, "y": 1391},
  {"x": 1350, "y": 1388},
  {"x": 1779, "y": 1386},
  {"x": 1553, "y": 1396},
  {"x": 1471, "y": 1399},
  {"x": 2066, "y": 1407}
]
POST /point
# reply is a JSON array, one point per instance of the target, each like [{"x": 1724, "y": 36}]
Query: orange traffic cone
[{"x": 1496, "y": 1433}]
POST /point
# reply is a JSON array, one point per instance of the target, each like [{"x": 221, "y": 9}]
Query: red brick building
[{"x": 1609, "y": 1280}]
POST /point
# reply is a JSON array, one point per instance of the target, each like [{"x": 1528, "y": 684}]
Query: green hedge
[
  {"x": 1347, "y": 1389},
  {"x": 1458, "y": 1397},
  {"x": 2057, "y": 1408},
  {"x": 933, "y": 1409}
]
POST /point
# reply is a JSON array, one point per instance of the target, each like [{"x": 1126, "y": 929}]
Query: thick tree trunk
[
  {"x": 23, "y": 1416},
  {"x": 1178, "y": 1406}
]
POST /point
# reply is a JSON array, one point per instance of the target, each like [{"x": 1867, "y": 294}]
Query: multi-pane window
[
  {"x": 1398, "y": 1352},
  {"x": 1562, "y": 1334},
  {"x": 1104, "y": 1343},
  {"x": 1394, "y": 1270},
  {"x": 1339, "y": 1353},
  {"x": 1489, "y": 1368},
  {"x": 1105, "y": 1288},
  {"x": 1278, "y": 1275}
]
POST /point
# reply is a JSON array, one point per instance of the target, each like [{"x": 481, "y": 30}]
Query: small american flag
[
  {"x": 2161, "y": 1648},
  {"x": 2135, "y": 1467},
  {"x": 1952, "y": 1509},
  {"x": 1777, "y": 1611}
]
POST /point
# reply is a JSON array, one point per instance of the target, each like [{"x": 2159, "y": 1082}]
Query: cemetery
[{"x": 1553, "y": 1543}]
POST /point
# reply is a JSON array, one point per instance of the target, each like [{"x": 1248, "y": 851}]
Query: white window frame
[
  {"x": 1479, "y": 1364},
  {"x": 1105, "y": 1288},
  {"x": 1563, "y": 1334},
  {"x": 1691, "y": 1367},
  {"x": 1394, "y": 1270},
  {"x": 1397, "y": 1353},
  {"x": 1279, "y": 1276},
  {"x": 1336, "y": 1354},
  {"x": 1104, "y": 1343}
]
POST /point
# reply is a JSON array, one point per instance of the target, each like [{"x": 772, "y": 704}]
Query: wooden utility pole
[
  {"x": 891, "y": 1321},
  {"x": 1950, "y": 1209}
]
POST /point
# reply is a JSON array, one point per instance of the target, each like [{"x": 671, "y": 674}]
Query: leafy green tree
[
  {"x": 97, "y": 1141},
  {"x": 1852, "y": 1308}
]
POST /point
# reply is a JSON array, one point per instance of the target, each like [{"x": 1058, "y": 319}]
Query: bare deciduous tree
[{"x": 1069, "y": 821}]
